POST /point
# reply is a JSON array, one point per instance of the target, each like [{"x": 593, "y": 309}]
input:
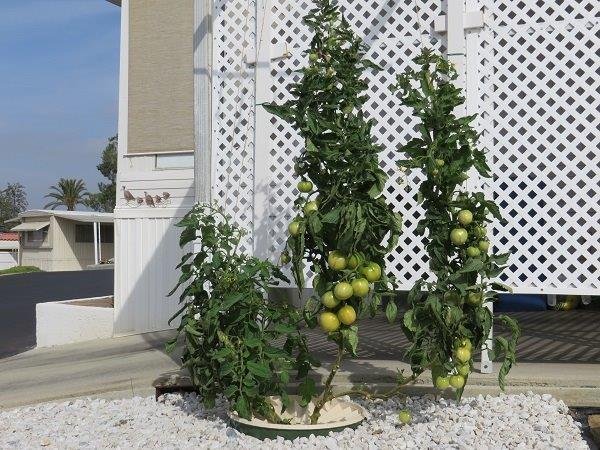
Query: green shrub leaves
[{"x": 237, "y": 343}]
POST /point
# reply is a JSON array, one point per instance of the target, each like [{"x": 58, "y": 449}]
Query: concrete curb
[{"x": 129, "y": 366}]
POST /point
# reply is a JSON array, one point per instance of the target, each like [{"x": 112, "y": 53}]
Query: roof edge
[{"x": 115, "y": 2}]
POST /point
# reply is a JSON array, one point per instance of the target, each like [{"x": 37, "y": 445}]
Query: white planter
[
  {"x": 70, "y": 321},
  {"x": 336, "y": 415}
]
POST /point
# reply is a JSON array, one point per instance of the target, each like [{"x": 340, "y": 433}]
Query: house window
[
  {"x": 37, "y": 237},
  {"x": 107, "y": 233},
  {"x": 85, "y": 233}
]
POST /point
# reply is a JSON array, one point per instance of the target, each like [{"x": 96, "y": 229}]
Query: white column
[
  {"x": 262, "y": 127},
  {"x": 203, "y": 60},
  {"x": 96, "y": 243}
]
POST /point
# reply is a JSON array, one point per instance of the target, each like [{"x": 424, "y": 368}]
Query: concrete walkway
[{"x": 128, "y": 366}]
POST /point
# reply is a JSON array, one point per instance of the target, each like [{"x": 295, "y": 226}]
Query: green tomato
[
  {"x": 336, "y": 260},
  {"x": 294, "y": 228},
  {"x": 329, "y": 300},
  {"x": 442, "y": 383},
  {"x": 464, "y": 342},
  {"x": 348, "y": 109},
  {"x": 305, "y": 186},
  {"x": 343, "y": 291},
  {"x": 474, "y": 298},
  {"x": 457, "y": 381},
  {"x": 360, "y": 287},
  {"x": 435, "y": 172},
  {"x": 462, "y": 354},
  {"x": 480, "y": 232},
  {"x": 463, "y": 369},
  {"x": 405, "y": 416},
  {"x": 285, "y": 258},
  {"x": 473, "y": 252},
  {"x": 310, "y": 207},
  {"x": 330, "y": 72},
  {"x": 372, "y": 272},
  {"x": 353, "y": 262},
  {"x": 329, "y": 321},
  {"x": 439, "y": 162},
  {"x": 347, "y": 315},
  {"x": 459, "y": 236},
  {"x": 484, "y": 246},
  {"x": 452, "y": 297},
  {"x": 313, "y": 57},
  {"x": 465, "y": 217}
]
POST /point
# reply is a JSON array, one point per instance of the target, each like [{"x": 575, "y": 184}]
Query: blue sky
[{"x": 59, "y": 64}]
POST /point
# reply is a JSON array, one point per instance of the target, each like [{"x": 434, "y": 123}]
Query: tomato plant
[
  {"x": 448, "y": 316},
  {"x": 348, "y": 234},
  {"x": 236, "y": 342}
]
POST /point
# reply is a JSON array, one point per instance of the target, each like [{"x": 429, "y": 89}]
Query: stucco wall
[{"x": 59, "y": 323}]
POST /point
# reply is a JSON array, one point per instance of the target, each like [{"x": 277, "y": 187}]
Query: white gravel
[{"x": 525, "y": 421}]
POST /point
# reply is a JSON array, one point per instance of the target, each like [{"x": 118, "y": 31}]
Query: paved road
[{"x": 20, "y": 293}]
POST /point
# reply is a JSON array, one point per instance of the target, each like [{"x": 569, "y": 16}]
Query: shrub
[{"x": 236, "y": 343}]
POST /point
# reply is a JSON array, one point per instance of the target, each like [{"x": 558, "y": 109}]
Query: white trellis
[{"x": 532, "y": 72}]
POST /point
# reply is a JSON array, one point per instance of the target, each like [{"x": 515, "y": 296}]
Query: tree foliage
[
  {"x": 452, "y": 312},
  {"x": 105, "y": 199},
  {"x": 345, "y": 211},
  {"x": 13, "y": 200},
  {"x": 237, "y": 343},
  {"x": 69, "y": 192}
]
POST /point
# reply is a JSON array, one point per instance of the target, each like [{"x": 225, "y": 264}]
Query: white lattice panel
[
  {"x": 543, "y": 77},
  {"x": 537, "y": 95},
  {"x": 233, "y": 111}
]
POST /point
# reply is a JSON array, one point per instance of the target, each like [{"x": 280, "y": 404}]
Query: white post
[
  {"x": 262, "y": 127},
  {"x": 463, "y": 53},
  {"x": 99, "y": 243},
  {"x": 95, "y": 243}
]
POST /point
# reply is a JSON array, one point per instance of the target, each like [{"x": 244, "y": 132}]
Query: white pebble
[{"x": 180, "y": 421}]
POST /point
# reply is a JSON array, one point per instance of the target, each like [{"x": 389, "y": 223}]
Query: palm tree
[{"x": 69, "y": 192}]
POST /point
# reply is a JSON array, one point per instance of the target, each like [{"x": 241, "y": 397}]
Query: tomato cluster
[
  {"x": 355, "y": 274},
  {"x": 470, "y": 233},
  {"x": 463, "y": 364},
  {"x": 353, "y": 286}
]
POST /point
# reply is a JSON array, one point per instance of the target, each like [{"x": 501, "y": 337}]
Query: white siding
[{"x": 147, "y": 253}]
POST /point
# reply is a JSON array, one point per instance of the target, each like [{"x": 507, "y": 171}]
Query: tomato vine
[
  {"x": 344, "y": 227},
  {"x": 448, "y": 317}
]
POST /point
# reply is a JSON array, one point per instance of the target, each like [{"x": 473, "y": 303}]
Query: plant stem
[
  {"x": 364, "y": 393},
  {"x": 327, "y": 391}
]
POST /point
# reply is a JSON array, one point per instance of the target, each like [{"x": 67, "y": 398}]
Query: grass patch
[{"x": 19, "y": 269}]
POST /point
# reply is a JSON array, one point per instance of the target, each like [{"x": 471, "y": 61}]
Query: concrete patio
[{"x": 558, "y": 354}]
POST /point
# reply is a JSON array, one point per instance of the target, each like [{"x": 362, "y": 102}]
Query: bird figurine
[
  {"x": 166, "y": 195},
  {"x": 127, "y": 195},
  {"x": 158, "y": 199},
  {"x": 139, "y": 200},
  {"x": 149, "y": 199}
]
